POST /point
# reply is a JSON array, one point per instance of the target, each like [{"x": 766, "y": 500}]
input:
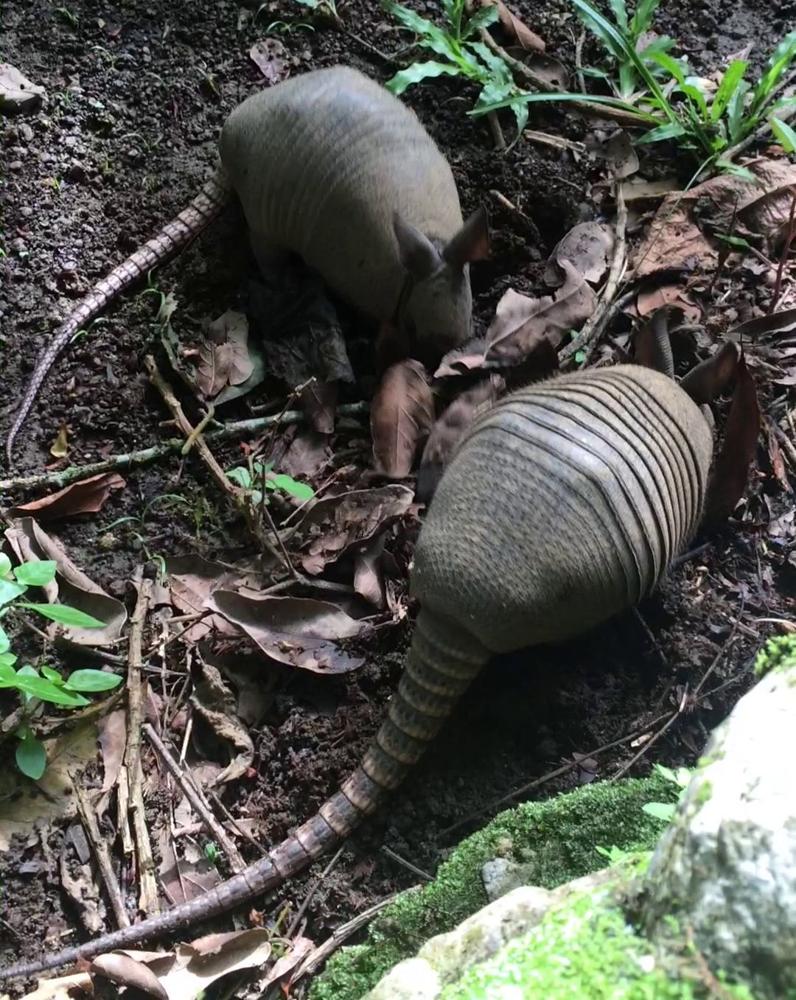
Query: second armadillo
[
  {"x": 563, "y": 505},
  {"x": 332, "y": 167}
]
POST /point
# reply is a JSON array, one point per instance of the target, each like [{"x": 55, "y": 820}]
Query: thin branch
[{"x": 102, "y": 854}]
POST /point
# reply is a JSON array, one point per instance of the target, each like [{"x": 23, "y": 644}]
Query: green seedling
[
  {"x": 665, "y": 810},
  {"x": 258, "y": 479},
  {"x": 668, "y": 102},
  {"x": 69, "y": 16},
  {"x": 460, "y": 53},
  {"x": 45, "y": 684},
  {"x": 326, "y": 8}
]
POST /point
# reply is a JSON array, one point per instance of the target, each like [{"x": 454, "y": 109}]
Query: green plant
[
  {"x": 328, "y": 8},
  {"x": 461, "y": 54},
  {"x": 258, "y": 478},
  {"x": 69, "y": 16},
  {"x": 44, "y": 684},
  {"x": 671, "y": 104},
  {"x": 666, "y": 810}
]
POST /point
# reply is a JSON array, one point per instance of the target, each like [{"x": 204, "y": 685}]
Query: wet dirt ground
[{"x": 136, "y": 94}]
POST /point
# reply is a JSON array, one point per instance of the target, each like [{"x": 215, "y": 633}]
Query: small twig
[
  {"x": 194, "y": 796},
  {"x": 331, "y": 944},
  {"x": 783, "y": 257},
  {"x": 592, "y": 330},
  {"x": 654, "y": 738},
  {"x": 407, "y": 864},
  {"x": 199, "y": 430},
  {"x": 497, "y": 132},
  {"x": 135, "y": 459},
  {"x": 294, "y": 923},
  {"x": 369, "y": 47},
  {"x": 148, "y": 895},
  {"x": 786, "y": 444},
  {"x": 102, "y": 854}
]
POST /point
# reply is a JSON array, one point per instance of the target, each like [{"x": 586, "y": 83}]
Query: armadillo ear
[
  {"x": 471, "y": 242},
  {"x": 418, "y": 254}
]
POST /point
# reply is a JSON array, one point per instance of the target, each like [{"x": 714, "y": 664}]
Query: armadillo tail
[
  {"x": 172, "y": 238},
  {"x": 441, "y": 664}
]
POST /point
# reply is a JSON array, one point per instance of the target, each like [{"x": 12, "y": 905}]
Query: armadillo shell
[{"x": 564, "y": 505}]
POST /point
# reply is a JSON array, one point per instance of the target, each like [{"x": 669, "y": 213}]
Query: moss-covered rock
[
  {"x": 778, "y": 653},
  {"x": 558, "y": 839}
]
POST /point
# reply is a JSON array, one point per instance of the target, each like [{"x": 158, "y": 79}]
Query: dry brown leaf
[
  {"x": 731, "y": 468},
  {"x": 588, "y": 247},
  {"x": 777, "y": 322},
  {"x": 368, "y": 572},
  {"x": 652, "y": 297},
  {"x": 24, "y": 803},
  {"x": 112, "y": 734},
  {"x": 776, "y": 459},
  {"x": 298, "y": 631},
  {"x": 271, "y": 57},
  {"x": 724, "y": 203},
  {"x": 554, "y": 73},
  {"x": 85, "y": 497},
  {"x": 449, "y": 430},
  {"x": 224, "y": 357},
  {"x": 521, "y": 324},
  {"x": 620, "y": 154},
  {"x": 642, "y": 190},
  {"x": 191, "y": 580},
  {"x": 319, "y": 402},
  {"x": 214, "y": 701},
  {"x": 401, "y": 415},
  {"x": 71, "y": 586},
  {"x": 60, "y": 446},
  {"x": 462, "y": 360},
  {"x": 126, "y": 971},
  {"x": 516, "y": 29},
  {"x": 62, "y": 988},
  {"x": 710, "y": 378},
  {"x": 335, "y": 525}
]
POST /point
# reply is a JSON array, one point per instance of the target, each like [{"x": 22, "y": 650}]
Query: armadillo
[
  {"x": 332, "y": 167},
  {"x": 562, "y": 505}
]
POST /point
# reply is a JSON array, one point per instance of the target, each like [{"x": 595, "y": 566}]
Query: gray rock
[
  {"x": 726, "y": 868},
  {"x": 17, "y": 94},
  {"x": 412, "y": 979}
]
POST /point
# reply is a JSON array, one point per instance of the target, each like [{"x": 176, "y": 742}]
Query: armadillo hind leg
[{"x": 172, "y": 238}]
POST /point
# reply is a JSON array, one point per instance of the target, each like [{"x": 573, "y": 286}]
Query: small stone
[
  {"x": 15, "y": 165},
  {"x": 17, "y": 94},
  {"x": 25, "y": 132},
  {"x": 76, "y": 172},
  {"x": 500, "y": 875},
  {"x": 412, "y": 979}
]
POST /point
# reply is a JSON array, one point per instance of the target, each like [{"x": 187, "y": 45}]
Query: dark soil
[{"x": 136, "y": 96}]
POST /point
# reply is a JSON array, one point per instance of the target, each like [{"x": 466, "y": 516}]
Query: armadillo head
[{"x": 436, "y": 312}]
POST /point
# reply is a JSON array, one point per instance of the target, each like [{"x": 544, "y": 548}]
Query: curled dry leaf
[
  {"x": 368, "y": 572},
  {"x": 711, "y": 377},
  {"x": 224, "y": 357},
  {"x": 547, "y": 68},
  {"x": 71, "y": 586},
  {"x": 449, "y": 430},
  {"x": 298, "y": 631},
  {"x": 335, "y": 525},
  {"x": 521, "y": 324},
  {"x": 620, "y": 154},
  {"x": 401, "y": 415},
  {"x": 588, "y": 247},
  {"x": 518, "y": 32},
  {"x": 86, "y": 497},
  {"x": 778, "y": 322},
  {"x": 319, "y": 402},
  {"x": 653, "y": 296},
  {"x": 270, "y": 56},
  {"x": 731, "y": 468},
  {"x": 215, "y": 703},
  {"x": 191, "y": 580},
  {"x": 127, "y": 971},
  {"x": 461, "y": 360}
]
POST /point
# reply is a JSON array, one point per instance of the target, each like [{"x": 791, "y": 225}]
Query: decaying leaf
[
  {"x": 299, "y": 631},
  {"x": 620, "y": 154},
  {"x": 189, "y": 970},
  {"x": 518, "y": 32},
  {"x": 24, "y": 802},
  {"x": 224, "y": 356},
  {"x": 401, "y": 414},
  {"x": 17, "y": 94},
  {"x": 213, "y": 700},
  {"x": 731, "y": 468},
  {"x": 679, "y": 237},
  {"x": 71, "y": 586},
  {"x": 85, "y": 497},
  {"x": 191, "y": 580},
  {"x": 112, "y": 733},
  {"x": 639, "y": 189},
  {"x": 449, "y": 430},
  {"x": 319, "y": 401},
  {"x": 521, "y": 324},
  {"x": 776, "y": 459},
  {"x": 60, "y": 446},
  {"x": 587, "y": 247},
  {"x": 270, "y": 56},
  {"x": 368, "y": 572},
  {"x": 461, "y": 360},
  {"x": 549, "y": 69},
  {"x": 710, "y": 378},
  {"x": 62, "y": 988},
  {"x": 778, "y": 322},
  {"x": 653, "y": 296},
  {"x": 335, "y": 525}
]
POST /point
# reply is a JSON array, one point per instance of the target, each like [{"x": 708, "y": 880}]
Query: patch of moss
[
  {"x": 585, "y": 948},
  {"x": 559, "y": 837},
  {"x": 778, "y": 653}
]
